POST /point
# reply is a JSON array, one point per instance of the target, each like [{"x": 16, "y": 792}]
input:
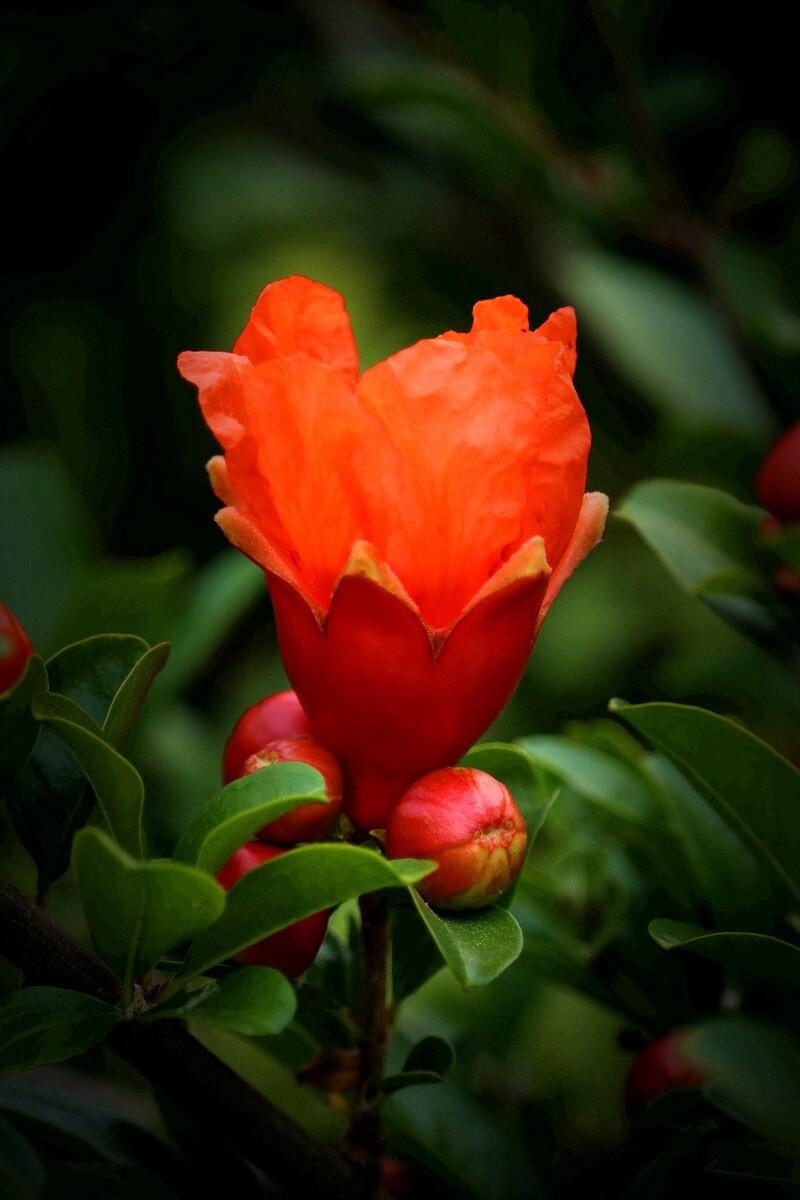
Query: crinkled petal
[{"x": 587, "y": 533}]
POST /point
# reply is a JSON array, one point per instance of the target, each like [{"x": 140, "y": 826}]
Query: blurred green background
[{"x": 165, "y": 162}]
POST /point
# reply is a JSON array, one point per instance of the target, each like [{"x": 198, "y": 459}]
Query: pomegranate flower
[{"x": 414, "y": 522}]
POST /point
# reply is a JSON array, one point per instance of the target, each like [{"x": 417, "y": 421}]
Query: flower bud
[
  {"x": 659, "y": 1068},
  {"x": 278, "y": 716},
  {"x": 778, "y": 481},
  {"x": 467, "y": 822},
  {"x": 291, "y": 950},
  {"x": 309, "y": 822},
  {"x": 15, "y": 649}
]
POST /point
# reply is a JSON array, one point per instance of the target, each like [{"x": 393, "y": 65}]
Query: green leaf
[
  {"x": 91, "y": 672},
  {"x": 239, "y": 810},
  {"x": 759, "y": 955},
  {"x": 606, "y": 781},
  {"x": 430, "y": 1061},
  {"x": 708, "y": 541},
  {"x": 18, "y": 727},
  {"x": 477, "y": 945},
  {"x": 136, "y": 911},
  {"x": 22, "y": 1173},
  {"x": 753, "y": 1073},
  {"x": 41, "y": 1025},
  {"x": 668, "y": 342},
  {"x": 532, "y": 790},
  {"x": 748, "y": 782},
  {"x": 128, "y": 702},
  {"x": 254, "y": 1001},
  {"x": 115, "y": 782},
  {"x": 300, "y": 882}
]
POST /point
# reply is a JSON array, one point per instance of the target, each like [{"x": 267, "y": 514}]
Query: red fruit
[
  {"x": 468, "y": 823},
  {"x": 659, "y": 1068},
  {"x": 278, "y": 716},
  {"x": 15, "y": 649},
  {"x": 310, "y": 822},
  {"x": 778, "y": 481},
  {"x": 396, "y": 1179},
  {"x": 291, "y": 950}
]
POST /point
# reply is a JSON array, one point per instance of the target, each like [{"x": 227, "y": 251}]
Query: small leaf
[
  {"x": 254, "y": 1001},
  {"x": 115, "y": 782},
  {"x": 757, "y": 954},
  {"x": 42, "y": 1025},
  {"x": 132, "y": 693},
  {"x": 18, "y": 727},
  {"x": 477, "y": 946},
  {"x": 239, "y": 810},
  {"x": 136, "y": 911},
  {"x": 753, "y": 1073},
  {"x": 748, "y": 782},
  {"x": 430, "y": 1061},
  {"x": 300, "y": 882},
  {"x": 606, "y": 781}
]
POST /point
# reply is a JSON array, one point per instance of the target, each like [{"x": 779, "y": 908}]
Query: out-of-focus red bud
[
  {"x": 661, "y": 1067},
  {"x": 291, "y": 950},
  {"x": 467, "y": 822},
  {"x": 278, "y": 716},
  {"x": 310, "y": 822},
  {"x": 396, "y": 1179},
  {"x": 778, "y": 480},
  {"x": 15, "y": 648}
]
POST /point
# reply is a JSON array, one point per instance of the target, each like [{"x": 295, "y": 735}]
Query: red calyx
[
  {"x": 661, "y": 1067},
  {"x": 309, "y": 822},
  {"x": 467, "y": 822},
  {"x": 16, "y": 648},
  {"x": 291, "y": 950},
  {"x": 778, "y": 480},
  {"x": 277, "y": 716}
]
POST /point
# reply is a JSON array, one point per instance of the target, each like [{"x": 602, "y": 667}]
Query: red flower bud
[
  {"x": 467, "y": 822},
  {"x": 778, "y": 481},
  {"x": 396, "y": 1179},
  {"x": 414, "y": 522},
  {"x": 15, "y": 649},
  {"x": 659, "y": 1068},
  {"x": 310, "y": 822},
  {"x": 291, "y": 950},
  {"x": 278, "y": 716}
]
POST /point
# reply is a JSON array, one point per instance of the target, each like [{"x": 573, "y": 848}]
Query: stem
[{"x": 365, "y": 1139}]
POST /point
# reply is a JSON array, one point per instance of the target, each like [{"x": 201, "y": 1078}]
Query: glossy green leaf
[
  {"x": 707, "y": 540},
  {"x": 430, "y": 1061},
  {"x": 41, "y": 1025},
  {"x": 137, "y": 911},
  {"x": 752, "y": 1073},
  {"x": 18, "y": 727},
  {"x": 236, "y": 812},
  {"x": 477, "y": 945},
  {"x": 115, "y": 782},
  {"x": 291, "y": 887},
  {"x": 750, "y": 784},
  {"x": 255, "y": 1001},
  {"x": 606, "y": 781},
  {"x": 668, "y": 342},
  {"x": 755, "y": 954},
  {"x": 91, "y": 672},
  {"x": 129, "y": 700},
  {"x": 532, "y": 790},
  {"x": 22, "y": 1172}
]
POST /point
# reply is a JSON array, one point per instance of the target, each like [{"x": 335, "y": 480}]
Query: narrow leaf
[{"x": 755, "y": 954}]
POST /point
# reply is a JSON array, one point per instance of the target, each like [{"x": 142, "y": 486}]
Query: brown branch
[
  {"x": 167, "y": 1055},
  {"x": 365, "y": 1138}
]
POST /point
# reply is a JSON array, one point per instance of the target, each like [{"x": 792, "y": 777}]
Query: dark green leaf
[
  {"x": 291, "y": 887},
  {"x": 606, "y": 781},
  {"x": 115, "y": 782},
  {"x": 41, "y": 1025},
  {"x": 236, "y": 812},
  {"x": 478, "y": 945},
  {"x": 136, "y": 911},
  {"x": 430, "y": 1061},
  {"x": 132, "y": 693},
  {"x": 92, "y": 671},
  {"x": 414, "y": 959},
  {"x": 748, "y": 782},
  {"x": 18, "y": 728},
  {"x": 255, "y": 1001},
  {"x": 753, "y": 1073},
  {"x": 763, "y": 957},
  {"x": 22, "y": 1173}
]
